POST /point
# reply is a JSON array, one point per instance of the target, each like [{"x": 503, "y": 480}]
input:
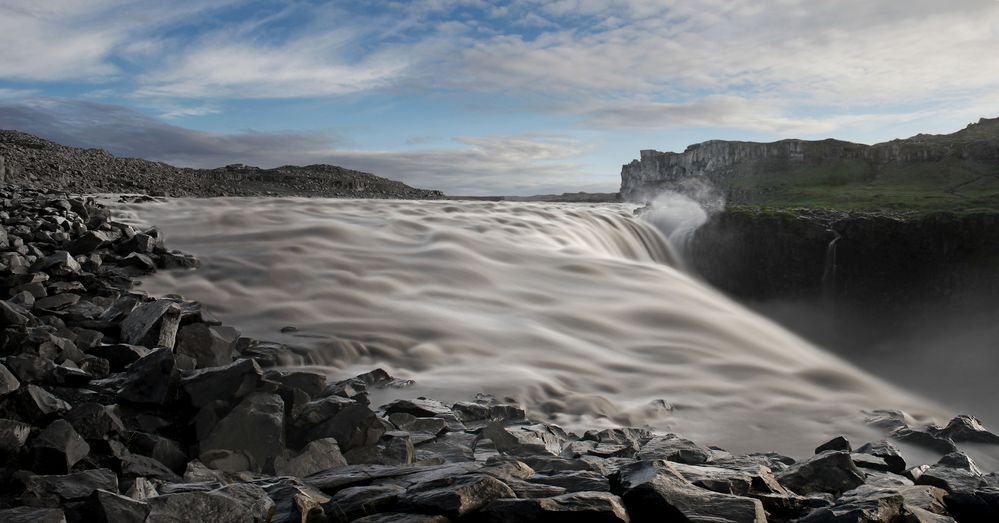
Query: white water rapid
[{"x": 572, "y": 309}]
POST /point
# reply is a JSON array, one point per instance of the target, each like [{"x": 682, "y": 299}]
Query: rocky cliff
[
  {"x": 29, "y": 161},
  {"x": 785, "y": 171}
]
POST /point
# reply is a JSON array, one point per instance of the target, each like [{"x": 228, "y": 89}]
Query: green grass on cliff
[{"x": 952, "y": 185}]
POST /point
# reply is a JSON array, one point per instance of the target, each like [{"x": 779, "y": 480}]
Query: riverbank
[{"x": 118, "y": 406}]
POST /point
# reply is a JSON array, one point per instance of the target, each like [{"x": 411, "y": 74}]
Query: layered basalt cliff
[{"x": 747, "y": 171}]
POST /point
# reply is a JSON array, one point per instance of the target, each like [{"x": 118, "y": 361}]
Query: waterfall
[
  {"x": 576, "y": 311},
  {"x": 829, "y": 271}
]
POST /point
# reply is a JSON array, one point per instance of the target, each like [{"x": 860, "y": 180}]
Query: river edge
[{"x": 146, "y": 434}]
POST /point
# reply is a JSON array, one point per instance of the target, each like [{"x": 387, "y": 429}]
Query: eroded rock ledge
[{"x": 115, "y": 406}]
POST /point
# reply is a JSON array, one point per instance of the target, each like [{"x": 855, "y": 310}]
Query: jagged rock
[
  {"x": 545, "y": 464},
  {"x": 31, "y": 368},
  {"x": 393, "y": 448},
  {"x": 353, "y": 426},
  {"x": 399, "y": 517},
  {"x": 454, "y": 497},
  {"x": 160, "y": 448},
  {"x": 174, "y": 260},
  {"x": 231, "y": 382},
  {"x": 980, "y": 505},
  {"x": 56, "y": 491},
  {"x": 233, "y": 462},
  {"x": 8, "y": 382},
  {"x": 295, "y": 502},
  {"x": 89, "y": 242},
  {"x": 95, "y": 421},
  {"x": 152, "y": 324},
  {"x": 139, "y": 466},
  {"x": 36, "y": 403},
  {"x": 140, "y": 242},
  {"x": 317, "y": 456},
  {"x": 142, "y": 262},
  {"x": 32, "y": 515},
  {"x": 420, "y": 429},
  {"x": 596, "y": 507},
  {"x": 13, "y": 436},
  {"x": 12, "y": 314},
  {"x": 255, "y": 427},
  {"x": 577, "y": 481},
  {"x": 60, "y": 263},
  {"x": 837, "y": 443},
  {"x": 966, "y": 428},
  {"x": 420, "y": 407},
  {"x": 924, "y": 439},
  {"x": 886, "y": 451},
  {"x": 237, "y": 503},
  {"x": 674, "y": 448},
  {"x": 56, "y": 302},
  {"x": 832, "y": 472},
  {"x": 23, "y": 299},
  {"x": 110, "y": 507},
  {"x": 119, "y": 355},
  {"x": 356, "y": 502},
  {"x": 322, "y": 409},
  {"x": 358, "y": 385},
  {"x": 309, "y": 382},
  {"x": 150, "y": 380},
  {"x": 205, "y": 345},
  {"x": 655, "y": 491},
  {"x": 955, "y": 472},
  {"x": 864, "y": 504},
  {"x": 57, "y": 448},
  {"x": 525, "y": 440}
]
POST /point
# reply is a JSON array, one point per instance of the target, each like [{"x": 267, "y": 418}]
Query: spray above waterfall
[{"x": 677, "y": 213}]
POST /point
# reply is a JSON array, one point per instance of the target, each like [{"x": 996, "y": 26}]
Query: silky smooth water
[{"x": 574, "y": 310}]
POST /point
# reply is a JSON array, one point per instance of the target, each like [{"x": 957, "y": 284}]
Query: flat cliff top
[
  {"x": 33, "y": 162},
  {"x": 957, "y": 173}
]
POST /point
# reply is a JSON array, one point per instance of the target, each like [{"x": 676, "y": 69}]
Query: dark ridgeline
[{"x": 33, "y": 162}]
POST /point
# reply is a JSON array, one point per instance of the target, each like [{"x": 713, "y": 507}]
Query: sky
[{"x": 474, "y": 97}]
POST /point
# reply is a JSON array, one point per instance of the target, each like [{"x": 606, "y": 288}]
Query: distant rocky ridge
[
  {"x": 748, "y": 170},
  {"x": 31, "y": 162}
]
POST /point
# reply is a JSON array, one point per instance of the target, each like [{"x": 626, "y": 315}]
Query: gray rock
[
  {"x": 142, "y": 262},
  {"x": 955, "y": 472},
  {"x": 57, "y": 448},
  {"x": 526, "y": 440},
  {"x": 393, "y": 448},
  {"x": 422, "y": 429},
  {"x": 13, "y": 436},
  {"x": 162, "y": 449},
  {"x": 152, "y": 324},
  {"x": 23, "y": 299},
  {"x": 577, "y": 481},
  {"x": 255, "y": 427},
  {"x": 205, "y": 344},
  {"x": 56, "y": 491},
  {"x": 674, "y": 448},
  {"x": 12, "y": 314},
  {"x": 595, "y": 507},
  {"x": 399, "y": 517},
  {"x": 837, "y": 443},
  {"x": 110, "y": 507},
  {"x": 864, "y": 504},
  {"x": 356, "y": 502},
  {"x": 32, "y": 515},
  {"x": 886, "y": 451},
  {"x": 119, "y": 356},
  {"x": 230, "y": 382},
  {"x": 138, "y": 466},
  {"x": 8, "y": 382},
  {"x": 924, "y": 439},
  {"x": 151, "y": 380},
  {"x": 317, "y": 456},
  {"x": 980, "y": 505},
  {"x": 832, "y": 472},
  {"x": 238, "y": 503},
  {"x": 294, "y": 502},
  {"x": 36, "y": 403},
  {"x": 60, "y": 263},
  {"x": 655, "y": 491},
  {"x": 420, "y": 407},
  {"x": 95, "y": 421},
  {"x": 454, "y": 497},
  {"x": 56, "y": 302},
  {"x": 353, "y": 426},
  {"x": 968, "y": 429},
  {"x": 89, "y": 242}
]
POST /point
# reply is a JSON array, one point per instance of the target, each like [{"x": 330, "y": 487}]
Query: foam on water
[{"x": 573, "y": 310}]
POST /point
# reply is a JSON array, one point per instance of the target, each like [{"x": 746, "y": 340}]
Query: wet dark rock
[
  {"x": 13, "y": 314},
  {"x": 294, "y": 501},
  {"x": 454, "y": 497},
  {"x": 352, "y": 427},
  {"x": 924, "y": 439},
  {"x": 13, "y": 435},
  {"x": 162, "y": 449},
  {"x": 8, "y": 382},
  {"x": 356, "y": 502},
  {"x": 95, "y": 421},
  {"x": 578, "y": 481},
  {"x": 864, "y": 504},
  {"x": 89, "y": 242},
  {"x": 671, "y": 447},
  {"x": 358, "y": 385},
  {"x": 205, "y": 344},
  {"x": 886, "y": 451},
  {"x": 139, "y": 466},
  {"x": 32, "y": 515},
  {"x": 238, "y": 503},
  {"x": 255, "y": 427},
  {"x": 868, "y": 462},
  {"x": 399, "y": 517},
  {"x": 393, "y": 448},
  {"x": 60, "y": 263},
  {"x": 110, "y": 507},
  {"x": 837, "y": 443},
  {"x": 119, "y": 355},
  {"x": 32, "y": 368},
  {"x": 420, "y": 429},
  {"x": 151, "y": 380},
  {"x": 420, "y": 407},
  {"x": 980, "y": 505},
  {"x": 309, "y": 382},
  {"x": 23, "y": 299},
  {"x": 955, "y": 472},
  {"x": 655, "y": 491},
  {"x": 832, "y": 472},
  {"x": 317, "y": 456},
  {"x": 152, "y": 324},
  {"x": 968, "y": 429},
  {"x": 56, "y": 302},
  {"x": 37, "y": 404},
  {"x": 57, "y": 448},
  {"x": 596, "y": 507},
  {"x": 524, "y": 440},
  {"x": 230, "y": 382},
  {"x": 56, "y": 491}
]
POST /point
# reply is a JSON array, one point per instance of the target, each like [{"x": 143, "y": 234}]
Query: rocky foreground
[{"x": 115, "y": 406}]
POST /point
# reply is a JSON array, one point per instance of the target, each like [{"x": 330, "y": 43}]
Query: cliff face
[{"x": 745, "y": 169}]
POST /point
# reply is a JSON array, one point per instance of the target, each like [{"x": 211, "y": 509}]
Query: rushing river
[{"x": 577, "y": 311}]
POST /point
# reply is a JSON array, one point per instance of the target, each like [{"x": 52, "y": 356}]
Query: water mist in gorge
[{"x": 575, "y": 311}]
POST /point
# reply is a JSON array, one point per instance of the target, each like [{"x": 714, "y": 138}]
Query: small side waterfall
[{"x": 829, "y": 270}]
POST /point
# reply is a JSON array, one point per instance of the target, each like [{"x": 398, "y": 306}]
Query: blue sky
[{"x": 477, "y": 97}]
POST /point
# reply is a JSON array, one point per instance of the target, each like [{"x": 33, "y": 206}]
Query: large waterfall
[{"x": 577, "y": 311}]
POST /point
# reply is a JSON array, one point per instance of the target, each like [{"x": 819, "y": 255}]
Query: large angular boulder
[
  {"x": 317, "y": 456},
  {"x": 8, "y": 382},
  {"x": 237, "y": 503},
  {"x": 526, "y": 440},
  {"x": 592, "y": 507},
  {"x": 230, "y": 382},
  {"x": 454, "y": 497},
  {"x": 57, "y": 448},
  {"x": 832, "y": 472},
  {"x": 862, "y": 504},
  {"x": 255, "y": 428},
  {"x": 205, "y": 345},
  {"x": 110, "y": 507},
  {"x": 32, "y": 515},
  {"x": 655, "y": 491},
  {"x": 152, "y": 324},
  {"x": 671, "y": 447},
  {"x": 56, "y": 491},
  {"x": 13, "y": 435},
  {"x": 151, "y": 380}
]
